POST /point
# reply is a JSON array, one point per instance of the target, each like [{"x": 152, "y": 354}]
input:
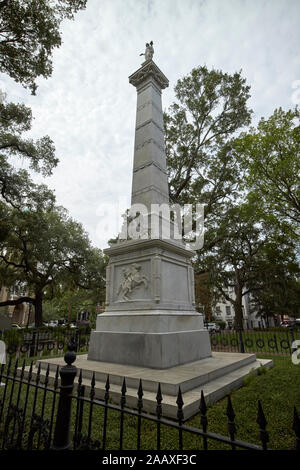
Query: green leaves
[
  {"x": 271, "y": 155},
  {"x": 29, "y": 31},
  {"x": 46, "y": 250},
  {"x": 211, "y": 106}
]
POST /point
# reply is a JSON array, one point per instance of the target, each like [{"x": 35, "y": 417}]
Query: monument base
[
  {"x": 216, "y": 376},
  {"x": 154, "y": 350},
  {"x": 158, "y": 339}
]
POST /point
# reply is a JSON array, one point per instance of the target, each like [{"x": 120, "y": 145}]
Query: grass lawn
[{"x": 278, "y": 389}]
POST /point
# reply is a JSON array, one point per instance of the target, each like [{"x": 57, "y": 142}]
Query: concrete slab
[{"x": 216, "y": 376}]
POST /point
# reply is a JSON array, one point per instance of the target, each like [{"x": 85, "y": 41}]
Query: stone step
[
  {"x": 213, "y": 390},
  {"x": 188, "y": 376}
]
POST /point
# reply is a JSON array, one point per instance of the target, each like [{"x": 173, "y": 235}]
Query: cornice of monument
[
  {"x": 175, "y": 246},
  {"x": 149, "y": 69}
]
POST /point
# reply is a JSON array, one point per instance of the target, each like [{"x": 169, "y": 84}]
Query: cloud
[{"x": 88, "y": 106}]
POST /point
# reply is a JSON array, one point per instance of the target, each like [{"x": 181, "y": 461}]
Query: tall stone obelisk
[{"x": 150, "y": 318}]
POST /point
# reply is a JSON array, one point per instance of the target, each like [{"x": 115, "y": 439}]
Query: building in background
[
  {"x": 22, "y": 314},
  {"x": 216, "y": 308},
  {"x": 224, "y": 311}
]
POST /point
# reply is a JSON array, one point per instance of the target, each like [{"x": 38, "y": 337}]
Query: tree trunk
[
  {"x": 238, "y": 303},
  {"x": 238, "y": 313},
  {"x": 38, "y": 309}
]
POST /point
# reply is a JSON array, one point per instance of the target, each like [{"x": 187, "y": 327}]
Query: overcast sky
[{"x": 88, "y": 106}]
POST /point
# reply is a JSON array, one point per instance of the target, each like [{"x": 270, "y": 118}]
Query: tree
[
  {"x": 29, "y": 31},
  {"x": 16, "y": 187},
  {"x": 70, "y": 299},
  {"x": 45, "y": 249},
  {"x": 232, "y": 259},
  {"x": 209, "y": 164},
  {"x": 270, "y": 154},
  {"x": 211, "y": 106},
  {"x": 278, "y": 279}
]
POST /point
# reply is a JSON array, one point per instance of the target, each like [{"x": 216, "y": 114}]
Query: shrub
[{"x": 12, "y": 337}]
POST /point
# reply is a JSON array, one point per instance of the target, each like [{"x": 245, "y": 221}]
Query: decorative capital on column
[{"x": 147, "y": 71}]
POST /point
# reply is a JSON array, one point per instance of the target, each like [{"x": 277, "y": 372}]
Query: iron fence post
[
  {"x": 32, "y": 344},
  {"x": 61, "y": 440},
  {"x": 242, "y": 346},
  {"x": 291, "y": 332},
  {"x": 77, "y": 340}
]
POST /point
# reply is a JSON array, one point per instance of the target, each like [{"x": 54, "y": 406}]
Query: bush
[
  {"x": 222, "y": 324},
  {"x": 13, "y": 337}
]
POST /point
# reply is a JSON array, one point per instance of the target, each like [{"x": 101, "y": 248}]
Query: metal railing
[
  {"x": 35, "y": 415},
  {"x": 36, "y": 342},
  {"x": 251, "y": 341}
]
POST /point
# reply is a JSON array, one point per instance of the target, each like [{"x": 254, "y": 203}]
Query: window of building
[
  {"x": 218, "y": 311},
  {"x": 228, "y": 310}
]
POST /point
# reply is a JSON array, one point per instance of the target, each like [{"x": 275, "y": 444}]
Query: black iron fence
[
  {"x": 39, "y": 342},
  {"x": 280, "y": 343},
  {"x": 65, "y": 415}
]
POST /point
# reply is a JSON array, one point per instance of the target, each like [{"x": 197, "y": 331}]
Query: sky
[{"x": 88, "y": 107}]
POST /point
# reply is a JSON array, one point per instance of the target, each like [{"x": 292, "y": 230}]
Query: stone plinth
[
  {"x": 216, "y": 376},
  {"x": 154, "y": 324}
]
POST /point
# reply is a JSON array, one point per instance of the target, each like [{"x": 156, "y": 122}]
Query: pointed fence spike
[
  {"x": 262, "y": 422},
  {"x": 203, "y": 418},
  {"x": 140, "y": 394},
  {"x": 9, "y": 365},
  {"x": 229, "y": 410},
  {"x": 179, "y": 400},
  {"x": 16, "y": 367},
  {"x": 30, "y": 372},
  {"x": 93, "y": 381},
  {"x": 140, "y": 390},
  {"x": 202, "y": 406},
  {"x": 261, "y": 419},
  {"x": 123, "y": 393},
  {"x": 159, "y": 399},
  {"x": 38, "y": 374},
  {"x": 230, "y": 415},
  {"x": 79, "y": 383},
  {"x": 296, "y": 423},
  {"x": 47, "y": 375},
  {"x": 180, "y": 404},
  {"x": 107, "y": 387},
  {"x": 159, "y": 395},
  {"x": 55, "y": 383},
  {"x": 124, "y": 390},
  {"x": 296, "y": 428}
]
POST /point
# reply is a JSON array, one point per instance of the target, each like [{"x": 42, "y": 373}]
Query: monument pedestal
[
  {"x": 149, "y": 339},
  {"x": 149, "y": 321}
]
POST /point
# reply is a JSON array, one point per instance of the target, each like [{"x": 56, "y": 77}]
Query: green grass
[{"x": 278, "y": 389}]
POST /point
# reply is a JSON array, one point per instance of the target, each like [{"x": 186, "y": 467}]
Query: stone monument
[
  {"x": 150, "y": 318},
  {"x": 150, "y": 330}
]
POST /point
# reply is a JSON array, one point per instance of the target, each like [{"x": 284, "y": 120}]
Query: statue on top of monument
[{"x": 149, "y": 51}]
